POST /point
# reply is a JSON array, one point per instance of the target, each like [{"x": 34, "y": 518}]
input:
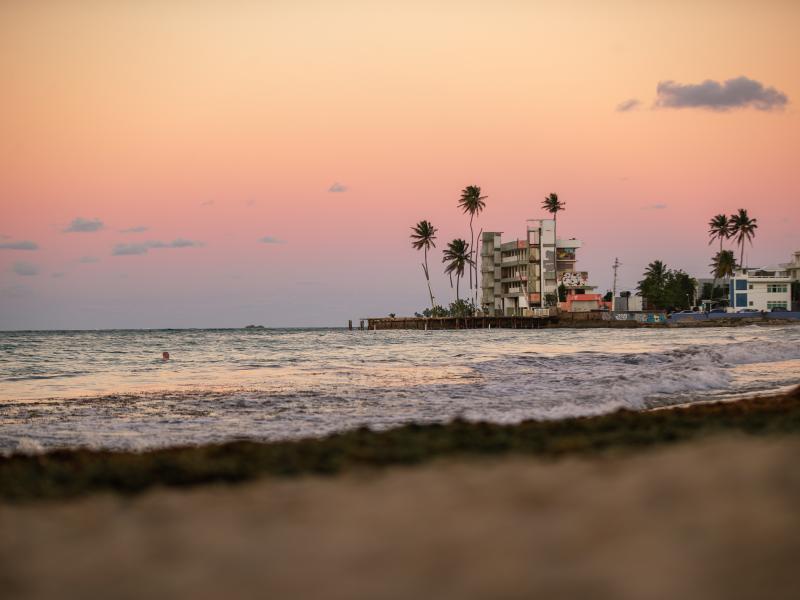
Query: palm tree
[
  {"x": 723, "y": 265},
  {"x": 553, "y": 205},
  {"x": 654, "y": 283},
  {"x": 743, "y": 228},
  {"x": 719, "y": 227},
  {"x": 423, "y": 235},
  {"x": 457, "y": 257},
  {"x": 473, "y": 203}
]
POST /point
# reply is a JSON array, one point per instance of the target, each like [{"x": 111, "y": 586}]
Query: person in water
[{"x": 165, "y": 356}]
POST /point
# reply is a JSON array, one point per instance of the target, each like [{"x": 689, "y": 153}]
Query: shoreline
[{"x": 69, "y": 473}]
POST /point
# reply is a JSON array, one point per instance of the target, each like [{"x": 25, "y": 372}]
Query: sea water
[{"x": 112, "y": 390}]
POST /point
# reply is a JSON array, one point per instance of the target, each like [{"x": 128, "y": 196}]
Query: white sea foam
[{"x": 111, "y": 390}]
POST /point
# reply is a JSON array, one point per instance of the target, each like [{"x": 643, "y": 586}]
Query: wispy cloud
[
  {"x": 81, "y": 225},
  {"x": 656, "y": 206},
  {"x": 740, "y": 92},
  {"x": 628, "y": 105},
  {"x": 337, "y": 188},
  {"x": 144, "y": 247},
  {"x": 269, "y": 239},
  {"x": 21, "y": 245},
  {"x": 137, "y": 229},
  {"x": 25, "y": 269}
]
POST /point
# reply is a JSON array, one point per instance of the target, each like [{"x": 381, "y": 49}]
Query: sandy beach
[
  {"x": 710, "y": 519},
  {"x": 699, "y": 501}
]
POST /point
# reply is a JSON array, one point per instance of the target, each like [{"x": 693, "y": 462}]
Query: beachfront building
[
  {"x": 761, "y": 289},
  {"x": 520, "y": 276},
  {"x": 793, "y": 268}
]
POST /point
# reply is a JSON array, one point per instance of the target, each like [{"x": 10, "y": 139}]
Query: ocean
[{"x": 112, "y": 390}]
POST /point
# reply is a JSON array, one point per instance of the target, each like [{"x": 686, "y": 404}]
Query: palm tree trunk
[
  {"x": 555, "y": 251},
  {"x": 428, "y": 279},
  {"x": 458, "y": 279},
  {"x": 472, "y": 247}
]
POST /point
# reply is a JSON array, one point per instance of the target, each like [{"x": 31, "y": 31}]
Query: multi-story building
[
  {"x": 761, "y": 289},
  {"x": 521, "y": 275},
  {"x": 793, "y": 268}
]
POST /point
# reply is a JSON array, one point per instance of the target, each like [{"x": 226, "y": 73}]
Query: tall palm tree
[
  {"x": 553, "y": 205},
  {"x": 743, "y": 228},
  {"x": 719, "y": 227},
  {"x": 723, "y": 265},
  {"x": 457, "y": 257},
  {"x": 423, "y": 236},
  {"x": 473, "y": 203}
]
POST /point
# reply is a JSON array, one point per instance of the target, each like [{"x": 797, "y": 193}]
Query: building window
[
  {"x": 751, "y": 303},
  {"x": 741, "y": 300},
  {"x": 741, "y": 284},
  {"x": 776, "y": 288},
  {"x": 775, "y": 304},
  {"x": 751, "y": 286}
]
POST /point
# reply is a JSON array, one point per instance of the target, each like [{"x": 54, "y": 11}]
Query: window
[
  {"x": 777, "y": 288},
  {"x": 741, "y": 300},
  {"x": 751, "y": 286},
  {"x": 751, "y": 303},
  {"x": 775, "y": 304},
  {"x": 741, "y": 284}
]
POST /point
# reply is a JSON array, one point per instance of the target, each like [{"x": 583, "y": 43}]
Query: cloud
[
  {"x": 25, "y": 269},
  {"x": 337, "y": 188},
  {"x": 84, "y": 225},
  {"x": 144, "y": 247},
  {"x": 657, "y": 206},
  {"x": 137, "y": 229},
  {"x": 628, "y": 105},
  {"x": 740, "y": 92},
  {"x": 268, "y": 239},
  {"x": 23, "y": 245},
  {"x": 88, "y": 259}
]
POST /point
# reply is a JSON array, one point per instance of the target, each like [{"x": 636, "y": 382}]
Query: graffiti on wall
[{"x": 574, "y": 279}]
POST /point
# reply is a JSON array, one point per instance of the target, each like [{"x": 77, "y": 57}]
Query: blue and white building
[{"x": 761, "y": 289}]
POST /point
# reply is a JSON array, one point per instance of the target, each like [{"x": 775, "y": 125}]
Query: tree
[
  {"x": 423, "y": 235},
  {"x": 562, "y": 293},
  {"x": 473, "y": 203},
  {"x": 457, "y": 257},
  {"x": 743, "y": 228},
  {"x": 719, "y": 227},
  {"x": 723, "y": 265},
  {"x": 553, "y": 205},
  {"x": 654, "y": 283},
  {"x": 665, "y": 288}
]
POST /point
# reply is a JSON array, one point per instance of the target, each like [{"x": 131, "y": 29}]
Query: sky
[{"x": 216, "y": 164}]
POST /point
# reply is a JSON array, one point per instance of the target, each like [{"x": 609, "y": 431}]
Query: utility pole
[{"x": 616, "y": 266}]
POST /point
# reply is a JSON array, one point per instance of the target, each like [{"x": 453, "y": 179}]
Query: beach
[{"x": 697, "y": 501}]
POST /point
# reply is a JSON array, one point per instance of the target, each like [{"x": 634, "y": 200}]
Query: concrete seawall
[{"x": 581, "y": 321}]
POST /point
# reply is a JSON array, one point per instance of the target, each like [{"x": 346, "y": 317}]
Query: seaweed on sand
[{"x": 67, "y": 473}]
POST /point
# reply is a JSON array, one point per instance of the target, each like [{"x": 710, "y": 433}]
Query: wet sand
[{"x": 711, "y": 518}]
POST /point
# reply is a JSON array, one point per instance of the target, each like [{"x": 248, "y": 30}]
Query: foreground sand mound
[{"x": 715, "y": 518}]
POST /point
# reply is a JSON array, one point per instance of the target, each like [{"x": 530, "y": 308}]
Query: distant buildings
[
  {"x": 518, "y": 277},
  {"x": 761, "y": 289}
]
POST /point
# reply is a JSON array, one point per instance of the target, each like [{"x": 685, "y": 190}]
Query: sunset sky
[{"x": 199, "y": 164}]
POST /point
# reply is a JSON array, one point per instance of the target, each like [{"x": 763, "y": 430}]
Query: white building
[{"x": 761, "y": 289}]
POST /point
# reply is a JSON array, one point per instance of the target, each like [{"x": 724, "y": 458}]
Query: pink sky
[{"x": 224, "y": 123}]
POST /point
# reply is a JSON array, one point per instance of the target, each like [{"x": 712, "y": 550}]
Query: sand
[{"x": 714, "y": 518}]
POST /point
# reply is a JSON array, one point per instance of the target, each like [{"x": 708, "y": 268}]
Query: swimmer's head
[{"x": 165, "y": 356}]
